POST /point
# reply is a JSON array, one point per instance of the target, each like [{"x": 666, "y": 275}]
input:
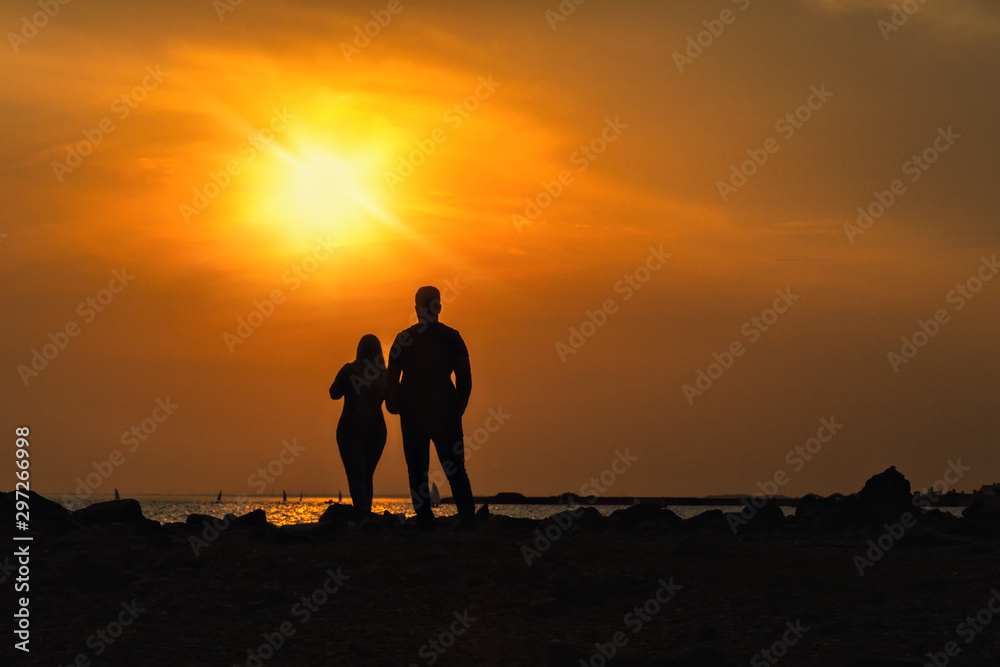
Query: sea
[{"x": 167, "y": 509}]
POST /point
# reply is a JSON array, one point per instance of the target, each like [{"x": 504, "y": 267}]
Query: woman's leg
[
  {"x": 352, "y": 453},
  {"x": 374, "y": 446}
]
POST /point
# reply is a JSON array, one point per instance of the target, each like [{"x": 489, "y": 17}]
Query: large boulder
[
  {"x": 643, "y": 516},
  {"x": 885, "y": 497},
  {"x": 44, "y": 515},
  {"x": 983, "y": 508},
  {"x": 811, "y": 508},
  {"x": 584, "y": 518},
  {"x": 768, "y": 516},
  {"x": 125, "y": 510},
  {"x": 339, "y": 513},
  {"x": 255, "y": 519},
  {"x": 709, "y": 520}
]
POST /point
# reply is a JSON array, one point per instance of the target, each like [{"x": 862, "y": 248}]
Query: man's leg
[
  {"x": 416, "y": 451},
  {"x": 450, "y": 446}
]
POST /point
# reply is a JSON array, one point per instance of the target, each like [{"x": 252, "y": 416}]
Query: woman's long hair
[{"x": 370, "y": 352}]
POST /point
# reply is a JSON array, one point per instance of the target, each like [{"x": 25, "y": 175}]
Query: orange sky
[{"x": 302, "y": 150}]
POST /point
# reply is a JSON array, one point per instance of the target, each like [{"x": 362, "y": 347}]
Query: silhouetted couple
[{"x": 429, "y": 405}]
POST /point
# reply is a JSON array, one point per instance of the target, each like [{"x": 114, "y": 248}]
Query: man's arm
[
  {"x": 394, "y": 370},
  {"x": 463, "y": 382}
]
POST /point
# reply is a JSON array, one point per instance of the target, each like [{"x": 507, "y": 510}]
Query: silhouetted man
[{"x": 430, "y": 407}]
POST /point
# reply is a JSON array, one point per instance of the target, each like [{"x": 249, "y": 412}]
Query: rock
[
  {"x": 45, "y": 515},
  {"x": 629, "y": 519},
  {"x": 768, "y": 517},
  {"x": 255, "y": 519},
  {"x": 583, "y": 518},
  {"x": 113, "y": 511},
  {"x": 643, "y": 515},
  {"x": 884, "y": 498},
  {"x": 483, "y": 514},
  {"x": 812, "y": 508},
  {"x": 199, "y": 519},
  {"x": 712, "y": 520},
  {"x": 589, "y": 517},
  {"x": 338, "y": 513},
  {"x": 983, "y": 508}
]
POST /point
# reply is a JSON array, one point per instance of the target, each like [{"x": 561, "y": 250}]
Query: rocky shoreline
[{"x": 873, "y": 578}]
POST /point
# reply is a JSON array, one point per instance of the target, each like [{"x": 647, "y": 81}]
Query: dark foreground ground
[{"x": 400, "y": 597}]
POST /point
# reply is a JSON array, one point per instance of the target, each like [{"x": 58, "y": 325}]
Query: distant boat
[
  {"x": 300, "y": 496},
  {"x": 117, "y": 497},
  {"x": 435, "y": 495},
  {"x": 340, "y": 497},
  {"x": 219, "y": 499},
  {"x": 284, "y": 496}
]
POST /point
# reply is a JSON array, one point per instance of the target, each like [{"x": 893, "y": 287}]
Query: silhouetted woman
[{"x": 361, "y": 430}]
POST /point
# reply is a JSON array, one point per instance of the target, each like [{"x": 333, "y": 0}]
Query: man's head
[{"x": 428, "y": 303}]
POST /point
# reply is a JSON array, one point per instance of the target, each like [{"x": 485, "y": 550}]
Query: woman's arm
[{"x": 339, "y": 386}]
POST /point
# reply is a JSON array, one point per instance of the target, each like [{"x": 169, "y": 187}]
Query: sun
[{"x": 309, "y": 190}]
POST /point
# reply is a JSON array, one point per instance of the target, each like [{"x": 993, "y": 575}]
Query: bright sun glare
[{"x": 317, "y": 190}]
